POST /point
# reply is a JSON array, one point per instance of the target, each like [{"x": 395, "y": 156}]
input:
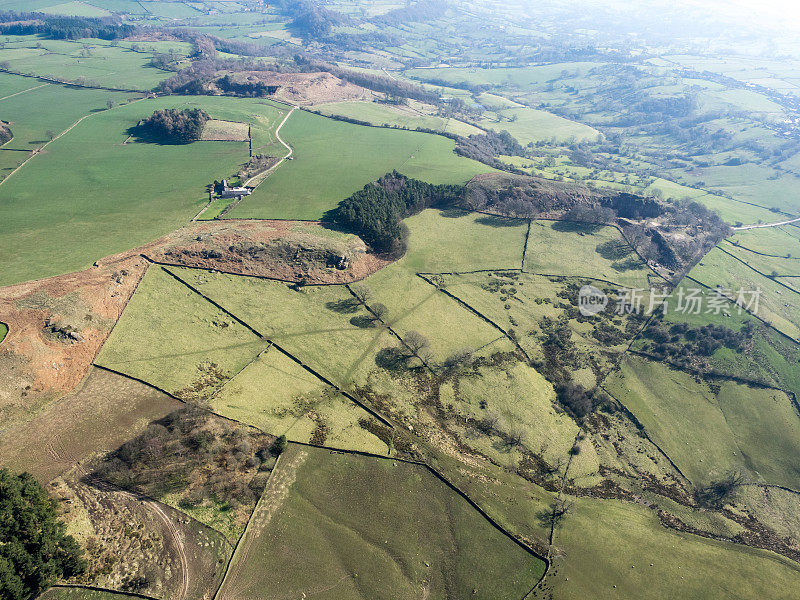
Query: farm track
[
  {"x": 262, "y": 176},
  {"x": 36, "y": 87},
  {"x": 765, "y": 225}
]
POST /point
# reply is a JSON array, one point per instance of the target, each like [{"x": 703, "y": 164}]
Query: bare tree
[
  {"x": 415, "y": 341},
  {"x": 50, "y": 134},
  {"x": 362, "y": 293},
  {"x": 379, "y": 311}
]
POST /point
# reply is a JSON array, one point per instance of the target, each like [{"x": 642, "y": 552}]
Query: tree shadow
[
  {"x": 453, "y": 213},
  {"x": 575, "y": 227},
  {"x": 363, "y": 321},
  {"x": 497, "y": 221},
  {"x": 392, "y": 359},
  {"x": 142, "y": 135},
  {"x": 345, "y": 306}
]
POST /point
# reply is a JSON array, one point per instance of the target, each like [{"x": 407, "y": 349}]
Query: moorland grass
[
  {"x": 279, "y": 397},
  {"x": 379, "y": 529}
]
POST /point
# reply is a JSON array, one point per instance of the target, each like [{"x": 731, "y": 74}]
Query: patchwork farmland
[{"x": 435, "y": 299}]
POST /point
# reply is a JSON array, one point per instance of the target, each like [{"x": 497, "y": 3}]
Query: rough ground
[
  {"x": 284, "y": 250},
  {"x": 139, "y": 545},
  {"x": 306, "y": 89},
  {"x": 56, "y": 326}
]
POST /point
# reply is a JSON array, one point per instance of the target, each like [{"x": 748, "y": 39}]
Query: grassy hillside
[
  {"x": 59, "y": 215},
  {"x": 378, "y": 529},
  {"x": 333, "y": 159}
]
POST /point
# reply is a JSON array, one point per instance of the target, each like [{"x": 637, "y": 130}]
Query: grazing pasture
[
  {"x": 295, "y": 403},
  {"x": 709, "y": 430},
  {"x": 355, "y": 527},
  {"x": 85, "y": 62},
  {"x": 577, "y": 254},
  {"x": 333, "y": 159},
  {"x": 777, "y": 305},
  {"x": 77, "y": 8},
  {"x": 37, "y": 109},
  {"x": 625, "y": 552},
  {"x": 173, "y": 338},
  {"x": 411, "y": 116},
  {"x": 60, "y": 215}
]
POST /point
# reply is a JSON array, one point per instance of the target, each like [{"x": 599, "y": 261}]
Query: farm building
[{"x": 233, "y": 192}]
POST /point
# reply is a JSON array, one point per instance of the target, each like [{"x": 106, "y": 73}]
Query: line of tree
[
  {"x": 376, "y": 212},
  {"x": 35, "y": 550},
  {"x": 248, "y": 89},
  {"x": 174, "y": 126},
  {"x": 60, "y": 27}
]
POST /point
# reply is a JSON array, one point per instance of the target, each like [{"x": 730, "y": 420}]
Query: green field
[
  {"x": 778, "y": 305},
  {"x": 407, "y": 117},
  {"x": 354, "y": 527},
  {"x": 169, "y": 336},
  {"x": 333, "y": 159},
  {"x": 611, "y": 549},
  {"x": 77, "y": 9},
  {"x": 577, "y": 255},
  {"x": 708, "y": 431},
  {"x": 42, "y": 108},
  {"x": 59, "y": 215},
  {"x": 85, "y": 62},
  {"x": 295, "y": 404},
  {"x": 529, "y": 125}
]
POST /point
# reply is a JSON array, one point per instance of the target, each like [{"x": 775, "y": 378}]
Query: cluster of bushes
[
  {"x": 174, "y": 126},
  {"x": 60, "y": 27},
  {"x": 5, "y": 134},
  {"x": 376, "y": 211},
  {"x": 683, "y": 344},
  {"x": 34, "y": 549},
  {"x": 486, "y": 147},
  {"x": 248, "y": 89},
  {"x": 195, "y": 455}
]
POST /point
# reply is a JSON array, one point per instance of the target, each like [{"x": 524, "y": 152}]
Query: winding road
[{"x": 263, "y": 175}]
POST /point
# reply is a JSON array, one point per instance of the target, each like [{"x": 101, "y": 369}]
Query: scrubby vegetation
[
  {"x": 34, "y": 549},
  {"x": 5, "y": 133},
  {"x": 375, "y": 212},
  {"x": 685, "y": 345},
  {"x": 195, "y": 457},
  {"x": 174, "y": 126}
]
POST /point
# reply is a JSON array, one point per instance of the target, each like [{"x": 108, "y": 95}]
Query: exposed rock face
[{"x": 5, "y": 133}]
